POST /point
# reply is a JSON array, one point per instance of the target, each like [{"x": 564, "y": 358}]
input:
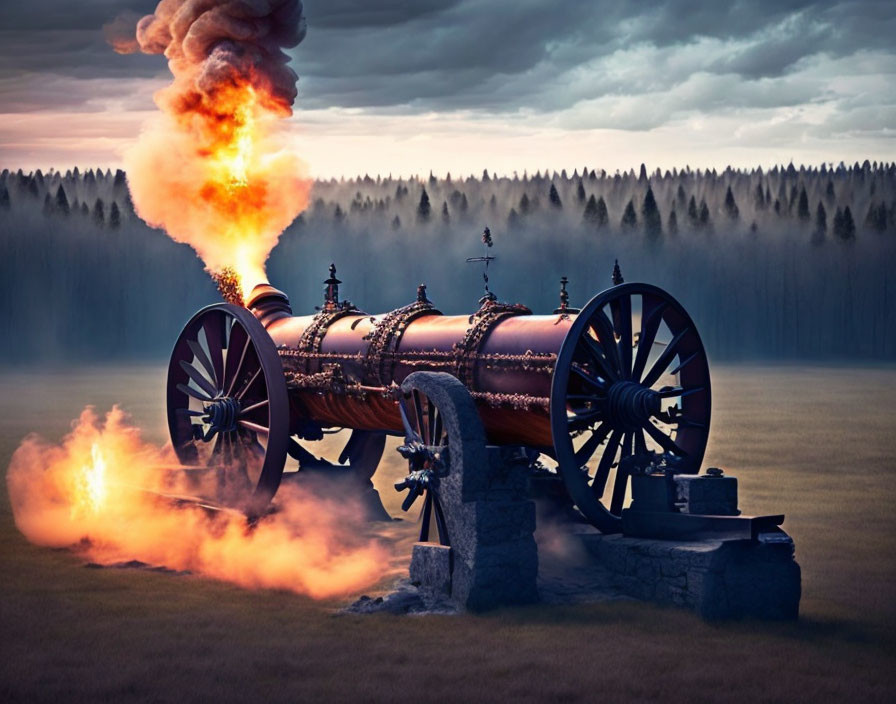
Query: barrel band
[
  {"x": 379, "y": 362},
  {"x": 311, "y": 340},
  {"x": 482, "y": 321}
]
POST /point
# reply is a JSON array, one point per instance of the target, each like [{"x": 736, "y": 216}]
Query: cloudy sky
[{"x": 462, "y": 85}]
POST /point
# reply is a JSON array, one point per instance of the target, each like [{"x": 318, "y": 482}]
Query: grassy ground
[{"x": 813, "y": 443}]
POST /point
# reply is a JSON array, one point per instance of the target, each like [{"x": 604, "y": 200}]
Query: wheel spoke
[
  {"x": 677, "y": 391},
  {"x": 426, "y": 516},
  {"x": 254, "y": 426},
  {"x": 607, "y": 339},
  {"x": 600, "y": 357},
  {"x": 190, "y": 391},
  {"x": 203, "y": 360},
  {"x": 441, "y": 524},
  {"x": 189, "y": 412},
  {"x": 650, "y": 324},
  {"x": 214, "y": 338},
  {"x": 438, "y": 430},
  {"x": 410, "y": 433},
  {"x": 584, "y": 420},
  {"x": 606, "y": 460},
  {"x": 585, "y": 452},
  {"x": 640, "y": 443},
  {"x": 420, "y": 422},
  {"x": 621, "y": 482},
  {"x": 663, "y": 440},
  {"x": 664, "y": 359},
  {"x": 254, "y": 407},
  {"x": 685, "y": 362},
  {"x": 621, "y": 309},
  {"x": 234, "y": 362},
  {"x": 248, "y": 385},
  {"x": 198, "y": 379}
]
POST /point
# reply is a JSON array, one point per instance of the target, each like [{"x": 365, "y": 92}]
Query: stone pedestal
[
  {"x": 493, "y": 559},
  {"x": 718, "y": 579}
]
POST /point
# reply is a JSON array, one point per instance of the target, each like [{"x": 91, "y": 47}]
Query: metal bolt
[{"x": 714, "y": 472}]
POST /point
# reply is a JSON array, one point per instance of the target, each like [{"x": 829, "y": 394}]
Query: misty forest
[{"x": 788, "y": 263}]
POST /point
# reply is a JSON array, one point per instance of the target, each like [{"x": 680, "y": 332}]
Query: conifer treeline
[{"x": 788, "y": 262}]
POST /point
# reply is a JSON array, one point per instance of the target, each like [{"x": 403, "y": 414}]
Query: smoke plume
[
  {"x": 101, "y": 492},
  {"x": 211, "y": 168}
]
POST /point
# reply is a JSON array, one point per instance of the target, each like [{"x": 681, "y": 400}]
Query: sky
[{"x": 390, "y": 86}]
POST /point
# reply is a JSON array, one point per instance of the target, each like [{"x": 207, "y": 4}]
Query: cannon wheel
[
  {"x": 443, "y": 435},
  {"x": 622, "y": 400},
  {"x": 228, "y": 409}
]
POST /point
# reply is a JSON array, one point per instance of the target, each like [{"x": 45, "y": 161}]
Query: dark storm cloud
[{"x": 496, "y": 55}]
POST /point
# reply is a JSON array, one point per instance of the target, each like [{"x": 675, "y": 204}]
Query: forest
[{"x": 789, "y": 263}]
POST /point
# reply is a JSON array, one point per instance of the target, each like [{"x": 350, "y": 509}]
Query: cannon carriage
[{"x": 591, "y": 396}]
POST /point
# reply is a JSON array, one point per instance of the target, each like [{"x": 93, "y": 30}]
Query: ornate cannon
[{"x": 592, "y": 395}]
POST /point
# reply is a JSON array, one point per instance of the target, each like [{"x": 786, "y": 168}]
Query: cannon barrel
[
  {"x": 340, "y": 363},
  {"x": 620, "y": 387}
]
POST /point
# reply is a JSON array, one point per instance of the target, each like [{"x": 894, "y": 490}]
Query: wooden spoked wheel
[
  {"x": 228, "y": 411},
  {"x": 426, "y": 447},
  {"x": 631, "y": 389}
]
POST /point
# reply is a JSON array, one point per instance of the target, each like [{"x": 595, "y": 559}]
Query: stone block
[
  {"x": 718, "y": 579},
  {"x": 430, "y": 568},
  {"x": 706, "y": 495}
]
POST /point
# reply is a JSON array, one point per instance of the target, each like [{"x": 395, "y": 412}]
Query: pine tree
[
  {"x": 424, "y": 210},
  {"x": 48, "y": 205},
  {"x": 62, "y": 205},
  {"x": 85, "y": 209},
  {"x": 513, "y": 219},
  {"x": 464, "y": 206},
  {"x": 758, "y": 197},
  {"x": 338, "y": 213},
  {"x": 114, "y": 215},
  {"x": 821, "y": 224},
  {"x": 681, "y": 196},
  {"x": 554, "y": 197},
  {"x": 731, "y": 209},
  {"x": 653, "y": 221},
  {"x": 876, "y": 219},
  {"x": 642, "y": 176},
  {"x": 802, "y": 209},
  {"x": 704, "y": 215},
  {"x": 595, "y": 213},
  {"x": 396, "y": 223},
  {"x": 4, "y": 198},
  {"x": 485, "y": 177},
  {"x": 446, "y": 217},
  {"x": 693, "y": 217},
  {"x": 580, "y": 192},
  {"x": 629, "y": 218},
  {"x": 524, "y": 205},
  {"x": 829, "y": 193},
  {"x": 673, "y": 223}
]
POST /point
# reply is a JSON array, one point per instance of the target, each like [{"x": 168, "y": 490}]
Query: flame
[
  {"x": 92, "y": 489},
  {"x": 102, "y": 493},
  {"x": 217, "y": 178}
]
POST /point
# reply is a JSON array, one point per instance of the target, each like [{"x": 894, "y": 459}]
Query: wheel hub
[
  {"x": 222, "y": 414},
  {"x": 631, "y": 405}
]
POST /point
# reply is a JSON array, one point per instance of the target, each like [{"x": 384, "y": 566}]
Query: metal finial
[
  {"x": 331, "y": 293},
  {"x": 564, "y": 308},
  {"x": 617, "y": 274},
  {"x": 421, "y": 294},
  {"x": 487, "y": 259}
]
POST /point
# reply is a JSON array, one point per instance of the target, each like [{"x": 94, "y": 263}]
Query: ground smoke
[{"x": 98, "y": 493}]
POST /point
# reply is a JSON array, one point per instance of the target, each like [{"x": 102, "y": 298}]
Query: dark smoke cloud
[{"x": 224, "y": 42}]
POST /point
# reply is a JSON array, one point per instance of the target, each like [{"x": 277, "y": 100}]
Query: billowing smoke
[
  {"x": 101, "y": 492},
  {"x": 212, "y": 169}
]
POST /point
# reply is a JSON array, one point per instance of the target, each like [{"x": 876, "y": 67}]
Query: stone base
[{"x": 718, "y": 579}]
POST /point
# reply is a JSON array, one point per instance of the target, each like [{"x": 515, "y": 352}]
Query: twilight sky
[{"x": 460, "y": 85}]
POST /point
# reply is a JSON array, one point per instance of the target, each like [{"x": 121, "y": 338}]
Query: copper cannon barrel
[{"x": 341, "y": 363}]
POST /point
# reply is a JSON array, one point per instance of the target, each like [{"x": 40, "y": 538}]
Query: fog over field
[{"x": 787, "y": 263}]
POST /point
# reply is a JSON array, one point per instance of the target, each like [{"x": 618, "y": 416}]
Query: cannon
[{"x": 590, "y": 396}]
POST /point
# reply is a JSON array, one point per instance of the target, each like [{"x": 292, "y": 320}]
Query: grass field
[{"x": 814, "y": 443}]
